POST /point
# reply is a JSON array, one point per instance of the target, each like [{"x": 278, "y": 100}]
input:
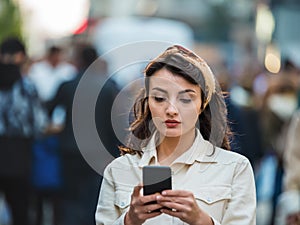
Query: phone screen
[{"x": 156, "y": 179}]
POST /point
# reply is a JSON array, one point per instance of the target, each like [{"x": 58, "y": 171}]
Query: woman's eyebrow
[
  {"x": 186, "y": 91},
  {"x": 180, "y": 92},
  {"x": 159, "y": 89}
]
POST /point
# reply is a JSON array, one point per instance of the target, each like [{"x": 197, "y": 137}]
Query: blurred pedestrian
[
  {"x": 278, "y": 105},
  {"x": 288, "y": 206},
  {"x": 80, "y": 181},
  {"x": 21, "y": 119},
  {"x": 47, "y": 75},
  {"x": 13, "y": 52}
]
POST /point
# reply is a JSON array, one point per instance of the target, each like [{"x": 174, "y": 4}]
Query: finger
[
  {"x": 180, "y": 200},
  {"x": 177, "y": 193},
  {"x": 151, "y": 208},
  {"x": 175, "y": 207},
  {"x": 146, "y": 199},
  {"x": 171, "y": 212},
  {"x": 161, "y": 198},
  {"x": 147, "y": 215},
  {"x": 136, "y": 190}
]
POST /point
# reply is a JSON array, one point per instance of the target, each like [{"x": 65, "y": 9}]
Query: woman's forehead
[{"x": 165, "y": 79}]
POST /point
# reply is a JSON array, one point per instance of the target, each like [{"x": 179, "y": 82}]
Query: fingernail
[
  {"x": 164, "y": 193},
  {"x": 158, "y": 197}
]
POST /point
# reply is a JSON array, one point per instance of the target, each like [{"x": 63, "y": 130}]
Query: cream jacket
[{"x": 222, "y": 183}]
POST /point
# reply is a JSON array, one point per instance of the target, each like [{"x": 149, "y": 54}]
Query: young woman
[{"x": 179, "y": 121}]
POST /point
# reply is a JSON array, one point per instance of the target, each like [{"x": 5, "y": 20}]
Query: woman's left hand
[{"x": 182, "y": 204}]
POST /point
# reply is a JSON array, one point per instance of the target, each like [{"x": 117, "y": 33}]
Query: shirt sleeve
[
  {"x": 241, "y": 209},
  {"x": 106, "y": 211}
]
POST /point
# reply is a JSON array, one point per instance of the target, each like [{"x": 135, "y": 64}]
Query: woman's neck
[{"x": 170, "y": 148}]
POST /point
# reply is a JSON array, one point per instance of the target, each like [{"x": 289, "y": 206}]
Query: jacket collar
[{"x": 200, "y": 151}]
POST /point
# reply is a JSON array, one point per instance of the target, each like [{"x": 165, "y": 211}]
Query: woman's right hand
[{"x": 139, "y": 211}]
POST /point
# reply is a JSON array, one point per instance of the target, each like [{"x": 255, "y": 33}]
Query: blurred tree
[{"x": 10, "y": 19}]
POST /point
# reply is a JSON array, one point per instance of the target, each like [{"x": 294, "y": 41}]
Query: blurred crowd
[
  {"x": 44, "y": 179},
  {"x": 263, "y": 110}
]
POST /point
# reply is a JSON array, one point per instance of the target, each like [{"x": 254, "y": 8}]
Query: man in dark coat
[{"x": 80, "y": 181}]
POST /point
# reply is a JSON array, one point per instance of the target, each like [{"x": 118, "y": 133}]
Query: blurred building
[{"x": 238, "y": 27}]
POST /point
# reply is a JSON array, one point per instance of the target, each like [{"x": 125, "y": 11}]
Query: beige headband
[{"x": 195, "y": 60}]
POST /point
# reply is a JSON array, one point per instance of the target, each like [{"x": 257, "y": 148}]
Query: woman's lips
[{"x": 172, "y": 123}]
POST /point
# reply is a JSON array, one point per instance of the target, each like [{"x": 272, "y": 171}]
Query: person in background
[
  {"x": 288, "y": 205},
  {"x": 180, "y": 122},
  {"x": 13, "y": 52},
  {"x": 80, "y": 181},
  {"x": 22, "y": 118},
  {"x": 278, "y": 105},
  {"x": 47, "y": 75},
  {"x": 242, "y": 116}
]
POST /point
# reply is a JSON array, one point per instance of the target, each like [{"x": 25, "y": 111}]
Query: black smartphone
[{"x": 156, "y": 179}]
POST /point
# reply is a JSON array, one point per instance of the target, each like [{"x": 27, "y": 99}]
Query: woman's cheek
[{"x": 158, "y": 123}]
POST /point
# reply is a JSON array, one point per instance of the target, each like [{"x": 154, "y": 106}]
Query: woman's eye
[
  {"x": 159, "y": 99},
  {"x": 185, "y": 100}
]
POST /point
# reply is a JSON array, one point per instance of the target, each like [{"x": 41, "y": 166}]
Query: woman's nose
[{"x": 171, "y": 109}]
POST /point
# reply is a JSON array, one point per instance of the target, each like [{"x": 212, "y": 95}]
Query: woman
[{"x": 180, "y": 121}]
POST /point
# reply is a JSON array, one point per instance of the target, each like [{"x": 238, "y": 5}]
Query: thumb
[{"x": 137, "y": 189}]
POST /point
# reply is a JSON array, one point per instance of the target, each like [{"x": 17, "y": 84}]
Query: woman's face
[{"x": 174, "y": 103}]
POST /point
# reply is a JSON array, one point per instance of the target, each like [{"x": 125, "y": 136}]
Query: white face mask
[{"x": 283, "y": 105}]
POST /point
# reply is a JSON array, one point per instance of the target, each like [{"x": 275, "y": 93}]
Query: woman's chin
[{"x": 172, "y": 133}]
